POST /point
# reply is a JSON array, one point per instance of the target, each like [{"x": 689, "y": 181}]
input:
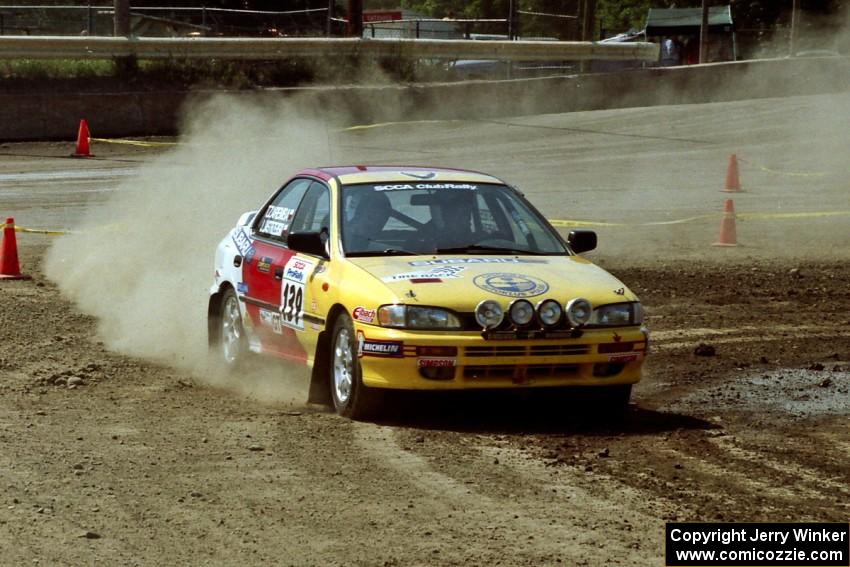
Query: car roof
[{"x": 353, "y": 174}]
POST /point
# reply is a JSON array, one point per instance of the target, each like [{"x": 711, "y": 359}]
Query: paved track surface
[{"x": 150, "y": 460}]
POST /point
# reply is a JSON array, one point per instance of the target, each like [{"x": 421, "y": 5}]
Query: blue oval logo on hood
[{"x": 511, "y": 285}]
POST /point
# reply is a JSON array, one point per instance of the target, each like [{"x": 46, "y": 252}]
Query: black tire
[
  {"x": 231, "y": 345},
  {"x": 350, "y": 397}
]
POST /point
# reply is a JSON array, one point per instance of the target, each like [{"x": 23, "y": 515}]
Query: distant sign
[{"x": 381, "y": 16}]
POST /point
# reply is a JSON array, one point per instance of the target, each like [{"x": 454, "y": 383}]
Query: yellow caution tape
[
  {"x": 385, "y": 124},
  {"x": 777, "y": 172},
  {"x": 565, "y": 223},
  {"x": 40, "y": 231},
  {"x": 135, "y": 142},
  {"x": 742, "y": 216},
  {"x": 756, "y": 216}
]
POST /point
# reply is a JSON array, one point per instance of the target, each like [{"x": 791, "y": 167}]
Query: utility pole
[
  {"x": 511, "y": 19},
  {"x": 331, "y": 16},
  {"x": 355, "y": 18},
  {"x": 122, "y": 18},
  {"x": 124, "y": 66},
  {"x": 703, "y": 34},
  {"x": 588, "y": 21},
  {"x": 795, "y": 27}
]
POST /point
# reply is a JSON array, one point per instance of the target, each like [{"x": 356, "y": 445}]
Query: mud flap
[{"x": 320, "y": 388}]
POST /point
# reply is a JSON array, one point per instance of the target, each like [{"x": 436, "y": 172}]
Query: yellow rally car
[{"x": 420, "y": 279}]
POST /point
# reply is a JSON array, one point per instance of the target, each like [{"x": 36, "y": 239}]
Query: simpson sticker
[
  {"x": 511, "y": 285},
  {"x": 386, "y": 349},
  {"x": 436, "y": 363},
  {"x": 264, "y": 264},
  {"x": 292, "y": 292},
  {"x": 271, "y": 319},
  {"x": 244, "y": 244},
  {"x": 363, "y": 315},
  {"x": 449, "y": 261},
  {"x": 623, "y": 358},
  {"x": 448, "y": 272}
]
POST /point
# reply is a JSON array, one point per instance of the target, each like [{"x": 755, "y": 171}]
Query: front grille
[
  {"x": 507, "y": 371},
  {"x": 525, "y": 350}
]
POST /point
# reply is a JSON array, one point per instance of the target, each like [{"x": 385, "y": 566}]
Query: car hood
[{"x": 461, "y": 282}]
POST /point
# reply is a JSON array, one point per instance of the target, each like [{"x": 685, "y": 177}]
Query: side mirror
[
  {"x": 581, "y": 240},
  {"x": 312, "y": 243}
]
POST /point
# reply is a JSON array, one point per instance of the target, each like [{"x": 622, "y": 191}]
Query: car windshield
[{"x": 442, "y": 218}]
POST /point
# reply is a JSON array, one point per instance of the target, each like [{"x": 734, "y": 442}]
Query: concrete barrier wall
[{"x": 53, "y": 115}]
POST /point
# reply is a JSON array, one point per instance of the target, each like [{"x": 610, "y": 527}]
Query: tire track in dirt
[{"x": 551, "y": 525}]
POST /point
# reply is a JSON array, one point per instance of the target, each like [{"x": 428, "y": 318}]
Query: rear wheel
[
  {"x": 350, "y": 397},
  {"x": 231, "y": 335}
]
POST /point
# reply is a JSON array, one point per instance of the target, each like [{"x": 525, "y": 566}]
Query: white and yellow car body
[{"x": 288, "y": 284}]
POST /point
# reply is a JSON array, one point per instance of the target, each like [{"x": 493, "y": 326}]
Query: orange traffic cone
[
  {"x": 733, "y": 183},
  {"x": 727, "y": 236},
  {"x": 9, "y": 267},
  {"x": 83, "y": 141}
]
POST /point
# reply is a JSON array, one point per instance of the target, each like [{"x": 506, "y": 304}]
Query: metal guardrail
[{"x": 61, "y": 47}]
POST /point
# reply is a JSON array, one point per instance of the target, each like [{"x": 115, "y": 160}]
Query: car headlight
[
  {"x": 415, "y": 317},
  {"x": 549, "y": 312},
  {"x": 618, "y": 315},
  {"x": 579, "y": 311},
  {"x": 521, "y": 312},
  {"x": 489, "y": 314}
]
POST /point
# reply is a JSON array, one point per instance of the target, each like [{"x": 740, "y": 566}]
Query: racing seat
[{"x": 365, "y": 227}]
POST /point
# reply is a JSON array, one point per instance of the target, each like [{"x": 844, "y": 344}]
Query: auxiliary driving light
[
  {"x": 549, "y": 312},
  {"x": 489, "y": 314},
  {"x": 579, "y": 311},
  {"x": 521, "y": 312}
]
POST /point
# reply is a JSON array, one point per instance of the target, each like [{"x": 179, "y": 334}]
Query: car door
[
  {"x": 303, "y": 297},
  {"x": 264, "y": 274}
]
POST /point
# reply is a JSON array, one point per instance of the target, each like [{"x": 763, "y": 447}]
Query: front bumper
[{"x": 423, "y": 360}]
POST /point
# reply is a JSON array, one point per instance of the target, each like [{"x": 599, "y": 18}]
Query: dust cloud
[{"x": 143, "y": 262}]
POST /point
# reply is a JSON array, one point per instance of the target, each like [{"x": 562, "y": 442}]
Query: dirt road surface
[{"x": 108, "y": 458}]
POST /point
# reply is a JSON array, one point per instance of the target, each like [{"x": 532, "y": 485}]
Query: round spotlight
[
  {"x": 489, "y": 314},
  {"x": 521, "y": 312},
  {"x": 579, "y": 311},
  {"x": 549, "y": 312}
]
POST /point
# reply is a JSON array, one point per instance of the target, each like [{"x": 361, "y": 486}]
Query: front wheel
[{"x": 350, "y": 397}]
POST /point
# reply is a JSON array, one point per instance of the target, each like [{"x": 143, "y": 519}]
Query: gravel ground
[{"x": 116, "y": 458}]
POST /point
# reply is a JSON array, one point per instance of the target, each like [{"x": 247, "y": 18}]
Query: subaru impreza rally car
[{"x": 420, "y": 279}]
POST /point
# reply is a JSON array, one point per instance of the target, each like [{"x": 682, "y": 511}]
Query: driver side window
[{"x": 314, "y": 213}]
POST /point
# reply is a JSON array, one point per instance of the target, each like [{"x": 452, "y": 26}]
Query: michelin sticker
[
  {"x": 442, "y": 272},
  {"x": 244, "y": 244},
  {"x": 511, "y": 285},
  {"x": 295, "y": 274},
  {"x": 369, "y": 347},
  {"x": 445, "y": 261}
]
